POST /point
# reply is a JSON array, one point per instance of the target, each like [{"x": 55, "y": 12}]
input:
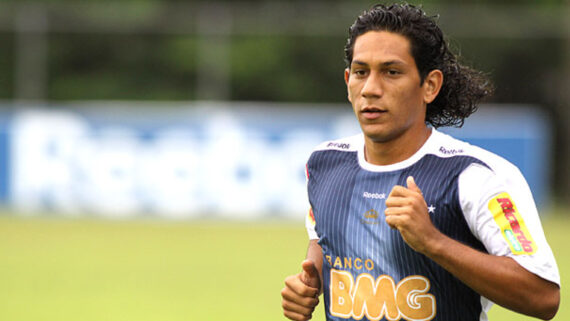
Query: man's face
[{"x": 383, "y": 85}]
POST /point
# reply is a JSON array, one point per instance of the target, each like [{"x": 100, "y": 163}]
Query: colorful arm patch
[
  {"x": 512, "y": 225},
  {"x": 311, "y": 218}
]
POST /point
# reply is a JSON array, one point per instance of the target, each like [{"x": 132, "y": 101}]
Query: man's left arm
[{"x": 498, "y": 278}]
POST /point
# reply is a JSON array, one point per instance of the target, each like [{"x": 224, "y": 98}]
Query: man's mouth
[{"x": 372, "y": 112}]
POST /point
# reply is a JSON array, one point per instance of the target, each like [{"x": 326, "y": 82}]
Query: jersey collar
[{"x": 431, "y": 141}]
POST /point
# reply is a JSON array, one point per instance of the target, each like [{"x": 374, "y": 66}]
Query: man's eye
[
  {"x": 360, "y": 72},
  {"x": 393, "y": 72}
]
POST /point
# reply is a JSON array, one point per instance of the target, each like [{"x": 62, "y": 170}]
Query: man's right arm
[{"x": 301, "y": 291}]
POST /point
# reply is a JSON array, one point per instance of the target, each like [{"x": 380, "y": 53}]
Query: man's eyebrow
[
  {"x": 384, "y": 64},
  {"x": 392, "y": 62},
  {"x": 360, "y": 63}
]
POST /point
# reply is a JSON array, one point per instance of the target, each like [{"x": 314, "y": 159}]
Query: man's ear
[
  {"x": 346, "y": 77},
  {"x": 432, "y": 85}
]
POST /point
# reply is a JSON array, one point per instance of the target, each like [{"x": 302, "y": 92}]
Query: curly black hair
[{"x": 463, "y": 87}]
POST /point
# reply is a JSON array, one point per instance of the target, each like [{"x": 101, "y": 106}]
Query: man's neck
[{"x": 396, "y": 150}]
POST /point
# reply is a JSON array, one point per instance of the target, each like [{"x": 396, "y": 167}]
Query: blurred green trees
[{"x": 265, "y": 50}]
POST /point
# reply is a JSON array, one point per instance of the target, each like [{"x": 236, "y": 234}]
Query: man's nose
[{"x": 372, "y": 86}]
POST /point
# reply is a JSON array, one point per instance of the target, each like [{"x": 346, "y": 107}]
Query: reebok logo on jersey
[
  {"x": 378, "y": 196},
  {"x": 338, "y": 145},
  {"x": 381, "y": 297},
  {"x": 446, "y": 151},
  {"x": 512, "y": 225}
]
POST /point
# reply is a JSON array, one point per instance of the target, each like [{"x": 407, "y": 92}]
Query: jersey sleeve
[
  {"x": 310, "y": 222},
  {"x": 500, "y": 211},
  {"x": 310, "y": 225}
]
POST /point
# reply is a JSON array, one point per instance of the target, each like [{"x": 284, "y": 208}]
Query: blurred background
[{"x": 152, "y": 152}]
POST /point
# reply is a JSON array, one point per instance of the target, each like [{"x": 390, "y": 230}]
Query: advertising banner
[{"x": 201, "y": 160}]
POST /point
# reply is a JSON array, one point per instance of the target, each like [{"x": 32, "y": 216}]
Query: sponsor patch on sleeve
[
  {"x": 512, "y": 225},
  {"x": 311, "y": 218}
]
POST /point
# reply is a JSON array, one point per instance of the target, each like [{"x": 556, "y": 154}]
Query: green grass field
[{"x": 94, "y": 270}]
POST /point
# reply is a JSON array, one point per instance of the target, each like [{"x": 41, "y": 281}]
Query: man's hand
[
  {"x": 301, "y": 292},
  {"x": 407, "y": 211}
]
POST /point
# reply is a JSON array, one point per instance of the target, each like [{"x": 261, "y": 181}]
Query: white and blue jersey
[{"x": 370, "y": 273}]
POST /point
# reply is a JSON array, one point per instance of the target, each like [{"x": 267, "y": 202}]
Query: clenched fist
[
  {"x": 407, "y": 211},
  {"x": 301, "y": 292}
]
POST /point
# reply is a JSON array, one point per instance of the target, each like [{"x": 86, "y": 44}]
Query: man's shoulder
[
  {"x": 345, "y": 144},
  {"x": 329, "y": 154},
  {"x": 445, "y": 145}
]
